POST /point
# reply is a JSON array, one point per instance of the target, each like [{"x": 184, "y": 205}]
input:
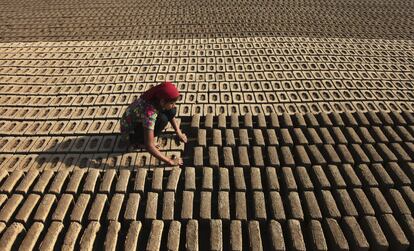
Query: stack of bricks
[{"x": 259, "y": 182}]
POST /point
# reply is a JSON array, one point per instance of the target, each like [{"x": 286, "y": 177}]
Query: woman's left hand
[{"x": 182, "y": 137}]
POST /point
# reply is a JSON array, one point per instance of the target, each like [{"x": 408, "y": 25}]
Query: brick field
[{"x": 300, "y": 119}]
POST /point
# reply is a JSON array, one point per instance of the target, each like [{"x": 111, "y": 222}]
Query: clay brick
[
  {"x": 337, "y": 119},
  {"x": 330, "y": 154},
  {"x": 230, "y": 140},
  {"x": 258, "y": 157},
  {"x": 289, "y": 179},
  {"x": 278, "y": 211},
  {"x": 217, "y": 137},
  {"x": 221, "y": 123},
  {"x": 366, "y": 175},
  {"x": 311, "y": 120},
  {"x": 168, "y": 206},
  {"x": 234, "y": 121},
  {"x": 366, "y": 136},
  {"x": 131, "y": 240},
  {"x": 275, "y": 231},
  {"x": 132, "y": 206},
  {"x": 374, "y": 233},
  {"x": 295, "y": 206},
  {"x": 272, "y": 179},
  {"x": 397, "y": 174},
  {"x": 151, "y": 206},
  {"x": 359, "y": 154},
  {"x": 397, "y": 202},
  {"x": 255, "y": 179},
  {"x": 90, "y": 181},
  {"x": 255, "y": 240},
  {"x": 335, "y": 177},
  {"x": 311, "y": 206},
  {"x": 301, "y": 156},
  {"x": 324, "y": 120},
  {"x": 271, "y": 137},
  {"x": 296, "y": 240},
  {"x": 3, "y": 199},
  {"x": 379, "y": 135},
  {"x": 405, "y": 134},
  {"x": 198, "y": 156},
  {"x": 248, "y": 120},
  {"x": 305, "y": 182},
  {"x": 391, "y": 134},
  {"x": 326, "y": 136},
  {"x": 339, "y": 136},
  {"x": 115, "y": 207},
  {"x": 287, "y": 158},
  {"x": 349, "y": 119},
  {"x": 173, "y": 179},
  {"x": 191, "y": 236},
  {"x": 122, "y": 182},
  {"x": 32, "y": 237},
  {"x": 187, "y": 206},
  {"x": 208, "y": 122},
  {"x": 75, "y": 181},
  {"x": 316, "y": 236},
  {"x": 80, "y": 208},
  {"x": 345, "y": 204},
  {"x": 381, "y": 175},
  {"x": 205, "y": 205},
  {"x": 300, "y": 137},
  {"x": 51, "y": 236},
  {"x": 98, "y": 207},
  {"x": 71, "y": 236},
  {"x": 259, "y": 206},
  {"x": 195, "y": 122},
  {"x": 58, "y": 182},
  {"x": 395, "y": 235},
  {"x": 173, "y": 239},
  {"x": 216, "y": 235},
  {"x": 243, "y": 156},
  {"x": 27, "y": 181},
  {"x": 372, "y": 154},
  {"x": 258, "y": 137},
  {"x": 313, "y": 136},
  {"x": 87, "y": 241},
  {"x": 154, "y": 239},
  {"x": 350, "y": 177},
  {"x": 236, "y": 241},
  {"x": 112, "y": 235},
  {"x": 400, "y": 153},
  {"x": 335, "y": 236},
  {"x": 328, "y": 205},
  {"x": 224, "y": 181},
  {"x": 27, "y": 208},
  {"x": 362, "y": 203},
  {"x": 9, "y": 237},
  {"x": 139, "y": 183},
  {"x": 190, "y": 180},
  {"x": 315, "y": 155},
  {"x": 243, "y": 137},
  {"x": 354, "y": 234},
  {"x": 45, "y": 207},
  {"x": 385, "y": 117},
  {"x": 286, "y": 138},
  {"x": 207, "y": 179},
  {"x": 273, "y": 157},
  {"x": 213, "y": 156},
  {"x": 378, "y": 201},
  {"x": 319, "y": 178},
  {"x": 11, "y": 181},
  {"x": 63, "y": 206},
  {"x": 241, "y": 210},
  {"x": 345, "y": 154}
]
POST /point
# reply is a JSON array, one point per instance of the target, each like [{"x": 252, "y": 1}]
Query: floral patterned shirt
[{"x": 139, "y": 111}]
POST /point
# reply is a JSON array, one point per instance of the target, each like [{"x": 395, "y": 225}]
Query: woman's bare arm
[{"x": 151, "y": 148}]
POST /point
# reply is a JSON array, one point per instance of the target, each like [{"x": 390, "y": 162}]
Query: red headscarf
[{"x": 166, "y": 91}]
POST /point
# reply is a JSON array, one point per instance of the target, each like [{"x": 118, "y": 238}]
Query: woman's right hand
[{"x": 175, "y": 162}]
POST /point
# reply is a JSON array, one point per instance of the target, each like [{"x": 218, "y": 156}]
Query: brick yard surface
[{"x": 299, "y": 115}]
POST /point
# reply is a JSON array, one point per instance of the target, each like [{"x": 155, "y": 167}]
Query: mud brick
[
  {"x": 345, "y": 203},
  {"x": 397, "y": 202},
  {"x": 191, "y": 236},
  {"x": 122, "y": 182},
  {"x": 273, "y": 157},
  {"x": 132, "y": 236},
  {"x": 173, "y": 179},
  {"x": 243, "y": 156},
  {"x": 350, "y": 177},
  {"x": 248, "y": 120},
  {"x": 205, "y": 205},
  {"x": 326, "y": 136},
  {"x": 90, "y": 181},
  {"x": 51, "y": 236},
  {"x": 337, "y": 119},
  {"x": 317, "y": 238},
  {"x": 274, "y": 120},
  {"x": 25, "y": 184},
  {"x": 372, "y": 154},
  {"x": 378, "y": 201},
  {"x": 258, "y": 156},
  {"x": 208, "y": 122},
  {"x": 207, "y": 184},
  {"x": 217, "y": 137},
  {"x": 3, "y": 199},
  {"x": 319, "y": 177},
  {"x": 300, "y": 137},
  {"x": 213, "y": 156},
  {"x": 359, "y": 154},
  {"x": 112, "y": 235},
  {"x": 236, "y": 241},
  {"x": 132, "y": 206},
  {"x": 391, "y": 134},
  {"x": 3, "y": 174},
  {"x": 289, "y": 179},
  {"x": 397, "y": 174},
  {"x": 10, "y": 236},
  {"x": 295, "y": 206},
  {"x": 27, "y": 209},
  {"x": 378, "y": 135},
  {"x": 311, "y": 120},
  {"x": 58, "y": 182},
  {"x": 400, "y": 153},
  {"x": 259, "y": 206},
  {"x": 234, "y": 121},
  {"x": 255, "y": 179},
  {"x": 255, "y": 240},
  {"x": 198, "y": 156},
  {"x": 404, "y": 133},
  {"x": 331, "y": 155},
  {"x": 311, "y": 206},
  {"x": 305, "y": 182},
  {"x": 335, "y": 177},
  {"x": 87, "y": 241},
  {"x": 190, "y": 179},
  {"x": 385, "y": 118},
  {"x": 328, "y": 205},
  {"x": 11, "y": 181},
  {"x": 407, "y": 223},
  {"x": 75, "y": 181},
  {"x": 195, "y": 122},
  {"x": 275, "y": 231},
  {"x": 395, "y": 235},
  {"x": 168, "y": 206},
  {"x": 63, "y": 206},
  {"x": 106, "y": 183},
  {"x": 349, "y": 119},
  {"x": 339, "y": 136},
  {"x": 366, "y": 175},
  {"x": 241, "y": 210},
  {"x": 154, "y": 239},
  {"x": 187, "y": 206},
  {"x": 224, "y": 181},
  {"x": 408, "y": 193},
  {"x": 287, "y": 158},
  {"x": 374, "y": 233},
  {"x": 362, "y": 202},
  {"x": 315, "y": 155},
  {"x": 258, "y": 137},
  {"x": 221, "y": 123},
  {"x": 32, "y": 236},
  {"x": 216, "y": 235},
  {"x": 271, "y": 137},
  {"x": 314, "y": 137},
  {"x": 296, "y": 240},
  {"x": 381, "y": 175},
  {"x": 173, "y": 238},
  {"x": 335, "y": 236},
  {"x": 324, "y": 120},
  {"x": 151, "y": 206},
  {"x": 354, "y": 234},
  {"x": 45, "y": 207},
  {"x": 272, "y": 179},
  {"x": 115, "y": 207},
  {"x": 80, "y": 208},
  {"x": 301, "y": 155},
  {"x": 278, "y": 211},
  {"x": 9, "y": 209},
  {"x": 352, "y": 135},
  {"x": 230, "y": 141},
  {"x": 98, "y": 207},
  {"x": 366, "y": 136},
  {"x": 361, "y": 118},
  {"x": 243, "y": 137},
  {"x": 345, "y": 154},
  {"x": 286, "y": 138}
]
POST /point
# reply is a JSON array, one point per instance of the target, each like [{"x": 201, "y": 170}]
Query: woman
[{"x": 146, "y": 117}]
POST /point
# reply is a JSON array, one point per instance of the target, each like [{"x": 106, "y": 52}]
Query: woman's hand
[
  {"x": 182, "y": 137},
  {"x": 175, "y": 162}
]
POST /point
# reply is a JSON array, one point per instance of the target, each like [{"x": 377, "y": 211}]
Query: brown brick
[
  {"x": 207, "y": 184},
  {"x": 243, "y": 156},
  {"x": 328, "y": 205},
  {"x": 115, "y": 207},
  {"x": 300, "y": 137},
  {"x": 345, "y": 204},
  {"x": 301, "y": 156},
  {"x": 236, "y": 241},
  {"x": 337, "y": 119},
  {"x": 316, "y": 236},
  {"x": 330, "y": 154},
  {"x": 315, "y": 155},
  {"x": 378, "y": 201},
  {"x": 278, "y": 211},
  {"x": 345, "y": 154},
  {"x": 205, "y": 205},
  {"x": 223, "y": 205},
  {"x": 359, "y": 154},
  {"x": 374, "y": 119},
  {"x": 187, "y": 206},
  {"x": 228, "y": 157},
  {"x": 311, "y": 120},
  {"x": 271, "y": 137},
  {"x": 354, "y": 234},
  {"x": 273, "y": 157},
  {"x": 277, "y": 242},
  {"x": 191, "y": 236},
  {"x": 395, "y": 235},
  {"x": 151, "y": 206},
  {"x": 75, "y": 181},
  {"x": 195, "y": 122},
  {"x": 259, "y": 206},
  {"x": 198, "y": 156},
  {"x": 98, "y": 206},
  {"x": 272, "y": 179},
  {"x": 339, "y": 136},
  {"x": 213, "y": 156},
  {"x": 258, "y": 157},
  {"x": 234, "y": 121},
  {"x": 397, "y": 174},
  {"x": 32, "y": 236},
  {"x": 386, "y": 152},
  {"x": 397, "y": 202},
  {"x": 248, "y": 120},
  {"x": 112, "y": 235},
  {"x": 255, "y": 240},
  {"x": 295, "y": 207},
  {"x": 335, "y": 177},
  {"x": 258, "y": 137},
  {"x": 173, "y": 179},
  {"x": 296, "y": 239},
  {"x": 305, "y": 183},
  {"x": 131, "y": 240},
  {"x": 216, "y": 235},
  {"x": 27, "y": 181},
  {"x": 366, "y": 176},
  {"x": 350, "y": 177},
  {"x": 11, "y": 235},
  {"x": 27, "y": 209},
  {"x": 239, "y": 182},
  {"x": 362, "y": 202},
  {"x": 71, "y": 237},
  {"x": 51, "y": 236},
  {"x": 286, "y": 138},
  {"x": 90, "y": 181},
  {"x": 106, "y": 183},
  {"x": 122, "y": 182},
  {"x": 326, "y": 136},
  {"x": 243, "y": 137},
  {"x": 241, "y": 210},
  {"x": 154, "y": 239},
  {"x": 334, "y": 235},
  {"x": 274, "y": 119},
  {"x": 366, "y": 136},
  {"x": 324, "y": 119},
  {"x": 224, "y": 181},
  {"x": 255, "y": 179},
  {"x": 374, "y": 234},
  {"x": 312, "y": 209},
  {"x": 381, "y": 175},
  {"x": 289, "y": 179},
  {"x": 80, "y": 208},
  {"x": 63, "y": 207},
  {"x": 58, "y": 182},
  {"x": 87, "y": 241},
  {"x": 173, "y": 239},
  {"x": 190, "y": 181},
  {"x": 11, "y": 181},
  {"x": 319, "y": 177},
  {"x": 168, "y": 206}
]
